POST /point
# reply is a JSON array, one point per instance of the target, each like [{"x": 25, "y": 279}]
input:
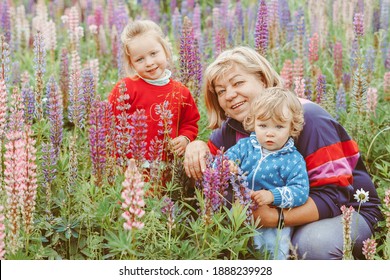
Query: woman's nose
[{"x": 230, "y": 94}]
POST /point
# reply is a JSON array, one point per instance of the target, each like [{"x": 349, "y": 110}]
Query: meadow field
[{"x": 68, "y": 191}]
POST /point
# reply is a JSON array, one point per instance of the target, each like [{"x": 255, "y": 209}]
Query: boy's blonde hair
[
  {"x": 138, "y": 28},
  {"x": 270, "y": 104},
  {"x": 246, "y": 58}
]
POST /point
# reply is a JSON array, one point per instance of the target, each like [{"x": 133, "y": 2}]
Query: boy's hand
[
  {"x": 233, "y": 168},
  {"x": 179, "y": 144},
  {"x": 262, "y": 197}
]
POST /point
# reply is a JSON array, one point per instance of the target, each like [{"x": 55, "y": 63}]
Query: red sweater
[{"x": 145, "y": 96}]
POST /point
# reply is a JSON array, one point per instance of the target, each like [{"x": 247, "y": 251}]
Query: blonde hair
[
  {"x": 250, "y": 61},
  {"x": 270, "y": 104},
  {"x": 138, "y": 28}
]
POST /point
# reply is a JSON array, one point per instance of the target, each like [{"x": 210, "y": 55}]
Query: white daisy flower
[{"x": 361, "y": 196}]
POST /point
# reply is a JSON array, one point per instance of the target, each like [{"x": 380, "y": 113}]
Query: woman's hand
[
  {"x": 178, "y": 145},
  {"x": 195, "y": 159},
  {"x": 297, "y": 216}
]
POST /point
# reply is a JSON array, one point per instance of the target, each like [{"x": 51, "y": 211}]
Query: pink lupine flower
[
  {"x": 358, "y": 24},
  {"x": 287, "y": 73},
  {"x": 369, "y": 248},
  {"x": 2, "y": 234},
  {"x": 347, "y": 221},
  {"x": 386, "y": 85},
  {"x": 372, "y": 99},
  {"x": 313, "y": 48},
  {"x": 298, "y": 71},
  {"x": 3, "y": 108},
  {"x": 132, "y": 196}
]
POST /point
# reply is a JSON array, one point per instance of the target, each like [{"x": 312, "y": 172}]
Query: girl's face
[
  {"x": 148, "y": 57},
  {"x": 236, "y": 90},
  {"x": 273, "y": 134}
]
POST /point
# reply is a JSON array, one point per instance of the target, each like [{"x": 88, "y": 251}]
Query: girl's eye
[{"x": 139, "y": 60}]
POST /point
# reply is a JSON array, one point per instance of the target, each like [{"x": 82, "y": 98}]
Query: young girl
[
  {"x": 276, "y": 171},
  {"x": 149, "y": 87}
]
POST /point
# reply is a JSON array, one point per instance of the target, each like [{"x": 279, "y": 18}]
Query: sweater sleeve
[
  {"x": 296, "y": 190},
  {"x": 189, "y": 117}
]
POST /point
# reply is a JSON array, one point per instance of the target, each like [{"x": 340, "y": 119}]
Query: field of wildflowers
[{"x": 66, "y": 195}]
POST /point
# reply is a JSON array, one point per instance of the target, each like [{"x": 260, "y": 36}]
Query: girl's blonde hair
[
  {"x": 250, "y": 61},
  {"x": 270, "y": 104},
  {"x": 138, "y": 28}
]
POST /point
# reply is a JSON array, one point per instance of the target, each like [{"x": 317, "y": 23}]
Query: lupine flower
[
  {"x": 22, "y": 28},
  {"x": 75, "y": 31},
  {"x": 320, "y": 88},
  {"x": 372, "y": 99},
  {"x": 261, "y": 29},
  {"x": 369, "y": 63},
  {"x": 338, "y": 61},
  {"x": 387, "y": 61},
  {"x": 5, "y": 21},
  {"x": 169, "y": 210},
  {"x": 2, "y": 234},
  {"x": 76, "y": 109},
  {"x": 97, "y": 138},
  {"x": 64, "y": 77},
  {"x": 241, "y": 193},
  {"x": 50, "y": 37},
  {"x": 287, "y": 73},
  {"x": 3, "y": 109},
  {"x": 49, "y": 162},
  {"x": 347, "y": 222},
  {"x": 132, "y": 196},
  {"x": 165, "y": 122},
  {"x": 30, "y": 185},
  {"x": 99, "y": 15},
  {"x": 88, "y": 89},
  {"x": 347, "y": 81},
  {"x": 341, "y": 103},
  {"x": 138, "y": 135},
  {"x": 313, "y": 48},
  {"x": 55, "y": 114},
  {"x": 4, "y": 60},
  {"x": 299, "y": 87},
  {"x": 300, "y": 31},
  {"x": 215, "y": 181},
  {"x": 298, "y": 71},
  {"x": 73, "y": 162},
  {"x": 386, "y": 85},
  {"x": 369, "y": 248},
  {"x": 39, "y": 66},
  {"x": 239, "y": 16},
  {"x": 176, "y": 23},
  {"x": 358, "y": 25},
  {"x": 359, "y": 90}
]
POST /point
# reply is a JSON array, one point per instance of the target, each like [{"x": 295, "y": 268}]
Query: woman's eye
[
  {"x": 221, "y": 92},
  {"x": 238, "y": 83}
]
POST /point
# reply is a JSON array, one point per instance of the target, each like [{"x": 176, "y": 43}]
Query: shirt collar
[{"x": 159, "y": 82}]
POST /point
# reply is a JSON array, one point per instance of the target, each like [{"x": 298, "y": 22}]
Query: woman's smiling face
[{"x": 236, "y": 90}]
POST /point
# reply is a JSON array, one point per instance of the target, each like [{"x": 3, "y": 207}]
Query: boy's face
[
  {"x": 273, "y": 134},
  {"x": 148, "y": 57}
]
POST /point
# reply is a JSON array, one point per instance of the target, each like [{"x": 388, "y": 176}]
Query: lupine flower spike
[
  {"x": 369, "y": 248},
  {"x": 2, "y": 234},
  {"x": 132, "y": 196},
  {"x": 347, "y": 221}
]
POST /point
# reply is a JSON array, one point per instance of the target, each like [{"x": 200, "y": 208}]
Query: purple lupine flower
[
  {"x": 138, "y": 135},
  {"x": 369, "y": 248},
  {"x": 241, "y": 193},
  {"x": 347, "y": 221},
  {"x": 358, "y": 25},
  {"x": 55, "y": 115},
  {"x": 341, "y": 103},
  {"x": 2, "y": 234},
  {"x": 88, "y": 89},
  {"x": 239, "y": 17},
  {"x": 97, "y": 138},
  {"x": 376, "y": 23},
  {"x": 216, "y": 27},
  {"x": 132, "y": 195},
  {"x": 387, "y": 60},
  {"x": 290, "y": 30},
  {"x": 5, "y": 21},
  {"x": 320, "y": 88},
  {"x": 169, "y": 210},
  {"x": 176, "y": 24},
  {"x": 384, "y": 17},
  {"x": 165, "y": 121},
  {"x": 3, "y": 109},
  {"x": 123, "y": 127},
  {"x": 261, "y": 29},
  {"x": 30, "y": 186},
  {"x": 354, "y": 54},
  {"x": 284, "y": 14},
  {"x": 40, "y": 69},
  {"x": 308, "y": 88},
  {"x": 338, "y": 61},
  {"x": 215, "y": 182},
  {"x": 110, "y": 7},
  {"x": 300, "y": 31}
]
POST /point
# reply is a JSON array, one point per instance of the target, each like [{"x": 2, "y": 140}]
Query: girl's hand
[
  {"x": 179, "y": 144},
  {"x": 195, "y": 159},
  {"x": 262, "y": 197}
]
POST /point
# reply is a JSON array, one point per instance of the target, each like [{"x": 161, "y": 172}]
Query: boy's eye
[
  {"x": 261, "y": 125},
  {"x": 153, "y": 53},
  {"x": 279, "y": 126}
]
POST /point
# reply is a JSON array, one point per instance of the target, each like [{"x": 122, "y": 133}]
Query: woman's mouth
[{"x": 237, "y": 105}]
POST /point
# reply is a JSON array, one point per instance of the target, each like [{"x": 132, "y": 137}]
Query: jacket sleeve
[
  {"x": 296, "y": 190},
  {"x": 331, "y": 157},
  {"x": 189, "y": 117}
]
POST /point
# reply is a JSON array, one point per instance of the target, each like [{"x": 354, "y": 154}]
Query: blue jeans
[
  {"x": 323, "y": 240},
  {"x": 273, "y": 243}
]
